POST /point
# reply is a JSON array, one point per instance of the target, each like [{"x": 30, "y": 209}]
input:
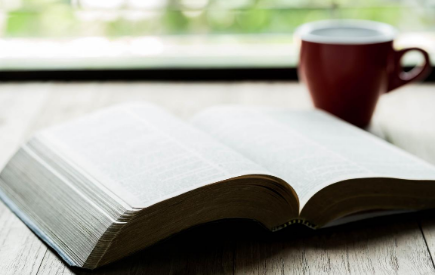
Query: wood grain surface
[{"x": 401, "y": 244}]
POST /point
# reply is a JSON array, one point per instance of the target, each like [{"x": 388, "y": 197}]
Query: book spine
[{"x": 295, "y": 221}]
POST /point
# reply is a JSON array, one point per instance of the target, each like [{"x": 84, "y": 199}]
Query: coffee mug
[{"x": 348, "y": 64}]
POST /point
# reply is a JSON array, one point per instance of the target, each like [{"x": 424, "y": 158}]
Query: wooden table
[{"x": 402, "y": 244}]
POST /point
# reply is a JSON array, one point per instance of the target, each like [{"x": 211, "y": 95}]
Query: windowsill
[{"x": 173, "y": 52}]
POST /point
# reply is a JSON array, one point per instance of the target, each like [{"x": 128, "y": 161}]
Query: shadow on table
[{"x": 226, "y": 246}]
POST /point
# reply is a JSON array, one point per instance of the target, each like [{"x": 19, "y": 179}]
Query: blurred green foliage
[{"x": 63, "y": 18}]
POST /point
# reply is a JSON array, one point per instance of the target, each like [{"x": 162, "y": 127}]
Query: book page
[
  {"x": 144, "y": 154},
  {"x": 309, "y": 149}
]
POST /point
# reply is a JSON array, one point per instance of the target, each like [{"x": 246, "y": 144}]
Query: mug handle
[{"x": 399, "y": 78}]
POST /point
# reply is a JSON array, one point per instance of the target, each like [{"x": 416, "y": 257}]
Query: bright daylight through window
[{"x": 38, "y": 34}]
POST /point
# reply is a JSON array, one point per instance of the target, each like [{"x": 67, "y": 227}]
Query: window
[{"x": 78, "y": 34}]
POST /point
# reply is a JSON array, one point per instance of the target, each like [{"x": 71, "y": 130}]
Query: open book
[{"x": 104, "y": 186}]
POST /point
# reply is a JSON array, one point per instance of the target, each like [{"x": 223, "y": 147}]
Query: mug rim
[{"x": 386, "y": 32}]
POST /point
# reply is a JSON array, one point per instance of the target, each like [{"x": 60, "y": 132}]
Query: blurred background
[{"x": 140, "y": 34}]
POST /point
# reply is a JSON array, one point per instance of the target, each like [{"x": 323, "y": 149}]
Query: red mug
[{"x": 348, "y": 64}]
